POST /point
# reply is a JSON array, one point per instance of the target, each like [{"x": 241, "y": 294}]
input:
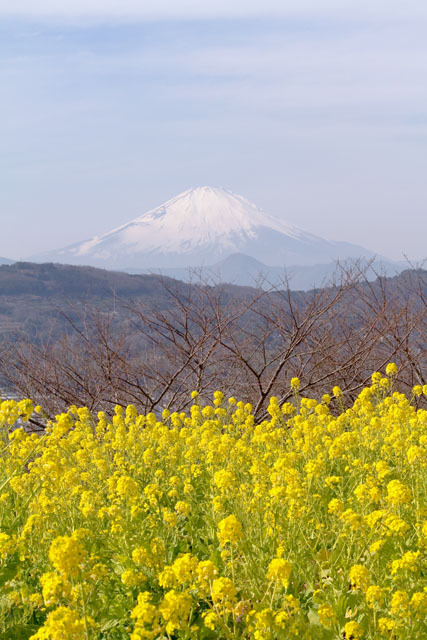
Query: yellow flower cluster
[
  {"x": 205, "y": 524},
  {"x": 279, "y": 570}
]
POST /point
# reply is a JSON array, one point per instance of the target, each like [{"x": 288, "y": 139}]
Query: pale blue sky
[{"x": 316, "y": 111}]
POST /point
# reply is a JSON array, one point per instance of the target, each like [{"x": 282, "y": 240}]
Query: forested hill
[
  {"x": 26, "y": 287},
  {"x": 35, "y": 297},
  {"x": 52, "y": 280}
]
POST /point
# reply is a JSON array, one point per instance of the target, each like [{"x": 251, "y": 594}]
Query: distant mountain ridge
[
  {"x": 34, "y": 295},
  {"x": 201, "y": 227},
  {"x": 50, "y": 280},
  {"x": 6, "y": 261},
  {"x": 243, "y": 270}
]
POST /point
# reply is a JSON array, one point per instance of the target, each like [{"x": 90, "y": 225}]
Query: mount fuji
[{"x": 200, "y": 227}]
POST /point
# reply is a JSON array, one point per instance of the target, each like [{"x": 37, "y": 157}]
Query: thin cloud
[
  {"x": 358, "y": 74},
  {"x": 185, "y": 9}
]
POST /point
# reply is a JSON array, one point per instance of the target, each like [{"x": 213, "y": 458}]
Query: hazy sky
[{"x": 316, "y": 110}]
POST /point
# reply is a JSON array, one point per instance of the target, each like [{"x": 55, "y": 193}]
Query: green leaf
[
  {"x": 10, "y": 569},
  {"x": 111, "y": 624},
  {"x": 19, "y": 632},
  {"x": 313, "y": 617}
]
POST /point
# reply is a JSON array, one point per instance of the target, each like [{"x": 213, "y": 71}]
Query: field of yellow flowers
[{"x": 208, "y": 525}]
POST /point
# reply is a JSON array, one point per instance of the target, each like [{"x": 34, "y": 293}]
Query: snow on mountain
[{"x": 199, "y": 227}]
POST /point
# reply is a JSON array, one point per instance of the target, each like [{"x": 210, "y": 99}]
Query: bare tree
[{"x": 247, "y": 342}]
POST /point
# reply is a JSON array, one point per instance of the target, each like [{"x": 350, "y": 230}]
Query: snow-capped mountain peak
[
  {"x": 199, "y": 227},
  {"x": 202, "y": 216}
]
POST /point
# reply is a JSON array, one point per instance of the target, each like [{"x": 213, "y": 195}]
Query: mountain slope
[
  {"x": 243, "y": 270},
  {"x": 200, "y": 227}
]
